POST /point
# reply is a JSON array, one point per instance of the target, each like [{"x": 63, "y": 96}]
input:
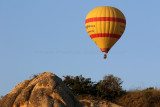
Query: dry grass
[{"x": 144, "y": 98}]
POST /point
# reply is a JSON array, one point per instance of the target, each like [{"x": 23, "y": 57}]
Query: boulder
[{"x": 44, "y": 90}]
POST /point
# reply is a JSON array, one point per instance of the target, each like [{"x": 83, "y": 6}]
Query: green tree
[
  {"x": 80, "y": 85},
  {"x": 110, "y": 87}
]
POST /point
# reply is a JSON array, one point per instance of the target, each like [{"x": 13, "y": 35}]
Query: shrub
[
  {"x": 80, "y": 85},
  {"x": 110, "y": 87}
]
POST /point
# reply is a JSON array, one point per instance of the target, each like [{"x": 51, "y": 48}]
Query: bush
[
  {"x": 110, "y": 87},
  {"x": 80, "y": 85}
]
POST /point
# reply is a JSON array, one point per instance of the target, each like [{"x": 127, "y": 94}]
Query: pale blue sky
[{"x": 49, "y": 35}]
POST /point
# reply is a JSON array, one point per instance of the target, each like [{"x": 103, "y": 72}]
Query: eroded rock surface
[
  {"x": 45, "y": 90},
  {"x": 94, "y": 103}
]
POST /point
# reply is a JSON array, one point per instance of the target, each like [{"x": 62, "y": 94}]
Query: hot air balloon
[{"x": 105, "y": 25}]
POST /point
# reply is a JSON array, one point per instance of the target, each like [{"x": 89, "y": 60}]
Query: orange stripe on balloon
[
  {"x": 105, "y": 35},
  {"x": 114, "y": 19}
]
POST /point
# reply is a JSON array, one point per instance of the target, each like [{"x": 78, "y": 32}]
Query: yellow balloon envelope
[{"x": 105, "y": 25}]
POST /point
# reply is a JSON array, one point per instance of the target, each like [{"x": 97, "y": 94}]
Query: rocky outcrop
[
  {"x": 94, "y": 103},
  {"x": 45, "y": 90}
]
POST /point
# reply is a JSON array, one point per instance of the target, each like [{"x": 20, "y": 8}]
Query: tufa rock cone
[{"x": 45, "y": 90}]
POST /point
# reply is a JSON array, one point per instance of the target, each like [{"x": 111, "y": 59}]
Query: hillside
[{"x": 46, "y": 90}]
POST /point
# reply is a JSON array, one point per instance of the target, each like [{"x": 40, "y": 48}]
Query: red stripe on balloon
[
  {"x": 105, "y": 35},
  {"x": 94, "y": 19},
  {"x": 105, "y": 49}
]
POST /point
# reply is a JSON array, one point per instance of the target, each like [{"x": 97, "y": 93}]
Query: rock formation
[
  {"x": 45, "y": 90},
  {"x": 101, "y": 103}
]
